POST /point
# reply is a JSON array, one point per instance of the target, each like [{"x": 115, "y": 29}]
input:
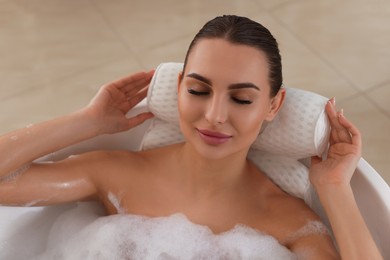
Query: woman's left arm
[{"x": 331, "y": 179}]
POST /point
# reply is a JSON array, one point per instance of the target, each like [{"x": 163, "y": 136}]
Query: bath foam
[
  {"x": 116, "y": 202},
  {"x": 173, "y": 237},
  {"x": 311, "y": 228}
]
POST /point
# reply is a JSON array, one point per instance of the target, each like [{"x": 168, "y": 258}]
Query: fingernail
[
  {"x": 334, "y": 100},
  {"x": 341, "y": 113}
]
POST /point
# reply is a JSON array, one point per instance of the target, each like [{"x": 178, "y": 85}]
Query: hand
[
  {"x": 115, "y": 99},
  {"x": 343, "y": 154}
]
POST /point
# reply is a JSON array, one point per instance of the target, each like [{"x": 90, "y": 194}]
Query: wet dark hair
[{"x": 242, "y": 30}]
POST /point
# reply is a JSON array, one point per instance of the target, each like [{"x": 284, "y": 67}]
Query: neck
[{"x": 205, "y": 177}]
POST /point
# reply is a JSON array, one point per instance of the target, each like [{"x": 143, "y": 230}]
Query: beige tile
[
  {"x": 321, "y": 78},
  {"x": 57, "y": 53},
  {"x": 43, "y": 42},
  {"x": 381, "y": 96},
  {"x": 39, "y": 104},
  {"x": 353, "y": 36},
  {"x": 145, "y": 25},
  {"x": 375, "y": 128},
  {"x": 301, "y": 67},
  {"x": 51, "y": 6},
  {"x": 269, "y": 5},
  {"x": 171, "y": 52}
]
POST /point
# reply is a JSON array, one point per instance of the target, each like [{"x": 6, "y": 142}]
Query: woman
[{"x": 230, "y": 84}]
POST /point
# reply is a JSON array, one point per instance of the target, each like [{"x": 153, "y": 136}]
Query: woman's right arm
[
  {"x": 331, "y": 178},
  {"x": 105, "y": 114},
  {"x": 21, "y": 147}
]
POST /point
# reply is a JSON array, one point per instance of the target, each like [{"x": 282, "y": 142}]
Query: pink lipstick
[{"x": 213, "y": 138}]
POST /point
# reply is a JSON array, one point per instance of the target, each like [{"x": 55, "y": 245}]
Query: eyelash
[
  {"x": 197, "y": 93},
  {"x": 203, "y": 93},
  {"x": 241, "y": 102}
]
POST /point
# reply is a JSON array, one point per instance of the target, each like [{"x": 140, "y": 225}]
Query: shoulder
[
  {"x": 95, "y": 159},
  {"x": 108, "y": 157},
  {"x": 116, "y": 161},
  {"x": 125, "y": 161},
  {"x": 123, "y": 164},
  {"x": 101, "y": 165},
  {"x": 295, "y": 224},
  {"x": 302, "y": 231}
]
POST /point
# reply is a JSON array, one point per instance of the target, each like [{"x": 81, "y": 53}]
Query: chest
[{"x": 219, "y": 213}]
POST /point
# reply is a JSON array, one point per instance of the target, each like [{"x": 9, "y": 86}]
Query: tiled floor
[{"x": 54, "y": 54}]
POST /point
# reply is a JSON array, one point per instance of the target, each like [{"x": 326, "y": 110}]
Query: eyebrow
[{"x": 231, "y": 86}]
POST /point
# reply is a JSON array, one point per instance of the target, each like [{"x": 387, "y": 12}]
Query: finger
[
  {"x": 137, "y": 80},
  {"x": 130, "y": 92},
  {"x": 332, "y": 114},
  {"x": 139, "y": 119},
  {"x": 129, "y": 79},
  {"x": 344, "y": 134},
  {"x": 135, "y": 77},
  {"x": 133, "y": 90},
  {"x": 338, "y": 133},
  {"x": 315, "y": 160},
  {"x": 133, "y": 101},
  {"x": 352, "y": 129},
  {"x": 127, "y": 103}
]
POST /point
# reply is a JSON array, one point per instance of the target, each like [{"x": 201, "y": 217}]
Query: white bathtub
[{"x": 24, "y": 231}]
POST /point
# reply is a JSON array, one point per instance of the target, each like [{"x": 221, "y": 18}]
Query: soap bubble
[{"x": 172, "y": 237}]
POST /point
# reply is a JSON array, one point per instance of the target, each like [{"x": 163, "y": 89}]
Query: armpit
[{"x": 13, "y": 175}]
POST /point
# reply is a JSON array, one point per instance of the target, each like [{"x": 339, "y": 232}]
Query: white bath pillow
[
  {"x": 299, "y": 130},
  {"x": 161, "y": 133},
  {"x": 289, "y": 174}
]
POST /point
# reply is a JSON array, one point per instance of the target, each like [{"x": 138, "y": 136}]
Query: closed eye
[
  {"x": 242, "y": 101},
  {"x": 197, "y": 93},
  {"x": 205, "y": 93}
]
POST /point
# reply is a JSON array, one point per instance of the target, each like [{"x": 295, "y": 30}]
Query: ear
[{"x": 276, "y": 104}]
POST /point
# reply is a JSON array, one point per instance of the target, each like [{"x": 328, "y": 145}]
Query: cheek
[{"x": 249, "y": 122}]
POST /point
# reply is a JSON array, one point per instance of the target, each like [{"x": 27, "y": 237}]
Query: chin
[{"x": 212, "y": 152}]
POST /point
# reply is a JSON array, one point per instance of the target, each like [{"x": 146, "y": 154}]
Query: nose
[{"x": 216, "y": 112}]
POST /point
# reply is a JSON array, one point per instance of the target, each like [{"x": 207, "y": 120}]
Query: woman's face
[{"x": 224, "y": 97}]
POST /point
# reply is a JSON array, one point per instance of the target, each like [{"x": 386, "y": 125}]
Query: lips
[{"x": 213, "y": 138}]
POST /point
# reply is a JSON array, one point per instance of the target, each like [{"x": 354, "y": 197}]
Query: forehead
[{"x": 228, "y": 63}]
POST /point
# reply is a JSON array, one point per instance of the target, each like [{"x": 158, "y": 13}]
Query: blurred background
[{"x": 55, "y": 54}]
